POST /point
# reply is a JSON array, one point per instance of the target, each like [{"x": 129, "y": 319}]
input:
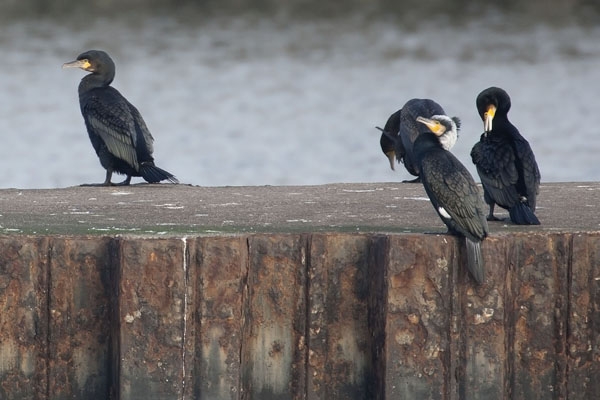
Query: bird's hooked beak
[
  {"x": 488, "y": 117},
  {"x": 83, "y": 64},
  {"x": 433, "y": 125},
  {"x": 391, "y": 155}
]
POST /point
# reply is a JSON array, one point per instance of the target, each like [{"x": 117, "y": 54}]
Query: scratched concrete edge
[{"x": 166, "y": 210}]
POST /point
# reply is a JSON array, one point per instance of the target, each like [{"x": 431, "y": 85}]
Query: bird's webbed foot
[
  {"x": 490, "y": 216},
  {"x": 96, "y": 184},
  {"x": 416, "y": 180},
  {"x": 126, "y": 182},
  {"x": 107, "y": 181}
]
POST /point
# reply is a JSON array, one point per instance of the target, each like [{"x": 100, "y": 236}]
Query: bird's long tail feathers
[
  {"x": 152, "y": 174},
  {"x": 475, "y": 260},
  {"x": 521, "y": 214}
]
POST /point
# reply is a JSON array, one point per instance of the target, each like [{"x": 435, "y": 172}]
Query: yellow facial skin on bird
[
  {"x": 433, "y": 125},
  {"x": 488, "y": 117},
  {"x": 83, "y": 64}
]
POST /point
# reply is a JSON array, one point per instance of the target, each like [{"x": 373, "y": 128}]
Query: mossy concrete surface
[{"x": 351, "y": 207}]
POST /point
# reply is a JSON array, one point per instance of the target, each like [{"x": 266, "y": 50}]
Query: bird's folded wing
[
  {"x": 498, "y": 173},
  {"x": 460, "y": 198},
  {"x": 531, "y": 172},
  {"x": 141, "y": 124},
  {"x": 115, "y": 126}
]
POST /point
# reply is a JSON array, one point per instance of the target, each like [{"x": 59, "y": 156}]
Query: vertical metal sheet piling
[
  {"x": 419, "y": 309},
  {"x": 339, "y": 361},
  {"x": 274, "y": 331},
  {"x": 539, "y": 308},
  {"x": 79, "y": 323},
  {"x": 479, "y": 315},
  {"x": 152, "y": 293},
  {"x": 377, "y": 273},
  {"x": 221, "y": 265},
  {"x": 299, "y": 316},
  {"x": 583, "y": 341},
  {"x": 24, "y": 273}
]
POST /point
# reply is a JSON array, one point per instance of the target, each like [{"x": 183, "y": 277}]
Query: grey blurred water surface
[{"x": 252, "y": 99}]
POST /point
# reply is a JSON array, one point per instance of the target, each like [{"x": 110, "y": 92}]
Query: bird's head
[
  {"x": 490, "y": 102},
  {"x": 444, "y": 127},
  {"x": 94, "y": 61}
]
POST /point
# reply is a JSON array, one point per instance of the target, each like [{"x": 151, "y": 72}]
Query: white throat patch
[{"x": 448, "y": 139}]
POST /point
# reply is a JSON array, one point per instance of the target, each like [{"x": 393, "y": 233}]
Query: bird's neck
[
  {"x": 501, "y": 117},
  {"x": 448, "y": 139},
  {"x": 425, "y": 143},
  {"x": 93, "y": 81},
  {"x": 502, "y": 123}
]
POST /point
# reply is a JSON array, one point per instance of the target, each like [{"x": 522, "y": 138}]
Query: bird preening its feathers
[
  {"x": 389, "y": 135},
  {"x": 401, "y": 130},
  {"x": 504, "y": 160},
  {"x": 116, "y": 129}
]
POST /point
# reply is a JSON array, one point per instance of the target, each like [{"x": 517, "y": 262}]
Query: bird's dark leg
[
  {"x": 106, "y": 182},
  {"x": 125, "y": 182},
  {"x": 490, "y": 216},
  {"x": 416, "y": 180}
]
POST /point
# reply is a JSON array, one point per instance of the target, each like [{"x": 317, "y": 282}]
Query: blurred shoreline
[
  {"x": 277, "y": 97},
  {"x": 410, "y": 12}
]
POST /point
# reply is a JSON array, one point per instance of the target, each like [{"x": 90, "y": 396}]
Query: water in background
[{"x": 253, "y": 100}]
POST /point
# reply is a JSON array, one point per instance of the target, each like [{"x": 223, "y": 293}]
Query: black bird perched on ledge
[
  {"x": 405, "y": 121},
  {"x": 451, "y": 189},
  {"x": 116, "y": 129},
  {"x": 505, "y": 162}
]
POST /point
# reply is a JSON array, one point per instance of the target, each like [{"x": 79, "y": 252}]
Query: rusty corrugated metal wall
[{"x": 299, "y": 316}]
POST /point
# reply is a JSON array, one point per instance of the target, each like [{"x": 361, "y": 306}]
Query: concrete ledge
[
  {"x": 177, "y": 210},
  {"x": 308, "y": 315}
]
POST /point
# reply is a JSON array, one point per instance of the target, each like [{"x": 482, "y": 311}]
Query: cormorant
[
  {"x": 116, "y": 129},
  {"x": 505, "y": 162},
  {"x": 451, "y": 189},
  {"x": 405, "y": 122},
  {"x": 389, "y": 135}
]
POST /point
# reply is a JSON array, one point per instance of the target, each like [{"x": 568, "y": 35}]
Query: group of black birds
[{"x": 420, "y": 135}]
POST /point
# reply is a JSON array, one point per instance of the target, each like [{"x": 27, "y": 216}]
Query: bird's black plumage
[
  {"x": 409, "y": 129},
  {"x": 116, "y": 129},
  {"x": 504, "y": 160},
  {"x": 452, "y": 190}
]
